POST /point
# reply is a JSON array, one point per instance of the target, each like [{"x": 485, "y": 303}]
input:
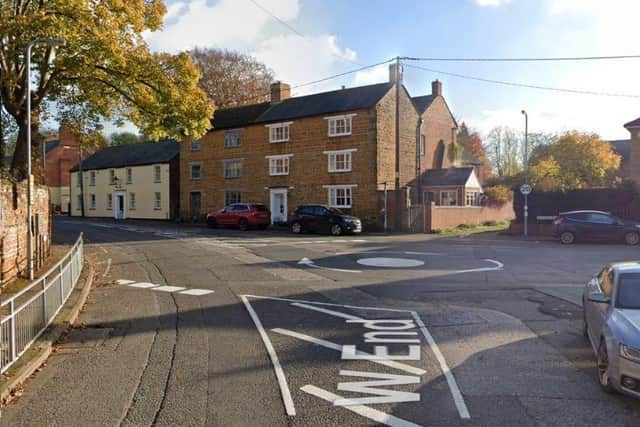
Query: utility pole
[
  {"x": 398, "y": 194},
  {"x": 81, "y": 180},
  {"x": 419, "y": 159},
  {"x": 526, "y": 171},
  {"x": 386, "y": 211}
]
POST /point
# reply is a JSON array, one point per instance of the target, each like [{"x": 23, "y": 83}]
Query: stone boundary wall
[
  {"x": 14, "y": 229},
  {"x": 439, "y": 217}
]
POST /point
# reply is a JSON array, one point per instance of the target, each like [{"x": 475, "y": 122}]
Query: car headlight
[{"x": 630, "y": 353}]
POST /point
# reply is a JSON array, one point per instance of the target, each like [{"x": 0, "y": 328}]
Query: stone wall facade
[{"x": 14, "y": 229}]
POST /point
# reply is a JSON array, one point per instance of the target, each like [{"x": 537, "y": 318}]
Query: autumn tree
[
  {"x": 505, "y": 151},
  {"x": 473, "y": 147},
  {"x": 232, "y": 79},
  {"x": 124, "y": 138},
  {"x": 576, "y": 160},
  {"x": 105, "y": 71}
]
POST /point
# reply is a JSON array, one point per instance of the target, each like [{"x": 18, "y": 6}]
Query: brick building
[
  {"x": 341, "y": 148},
  {"x": 61, "y": 154}
]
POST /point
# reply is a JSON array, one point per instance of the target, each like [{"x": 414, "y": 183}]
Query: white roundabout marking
[{"x": 390, "y": 262}]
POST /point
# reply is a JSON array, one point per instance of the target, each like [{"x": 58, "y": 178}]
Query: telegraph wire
[{"x": 534, "y": 59}]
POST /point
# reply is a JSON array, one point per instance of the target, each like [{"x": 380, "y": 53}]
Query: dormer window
[
  {"x": 340, "y": 125},
  {"x": 279, "y": 132}
]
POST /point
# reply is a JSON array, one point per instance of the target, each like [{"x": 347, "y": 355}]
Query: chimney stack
[
  {"x": 394, "y": 75},
  {"x": 280, "y": 91},
  {"x": 436, "y": 88},
  {"x": 67, "y": 136}
]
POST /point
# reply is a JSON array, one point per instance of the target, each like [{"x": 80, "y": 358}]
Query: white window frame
[
  {"x": 157, "y": 173},
  {"x": 92, "y": 178},
  {"x": 227, "y": 163},
  {"x": 332, "y": 125},
  {"x": 109, "y": 201},
  {"x": 195, "y": 145},
  {"x": 455, "y": 198},
  {"x": 473, "y": 196},
  {"x": 129, "y": 174},
  {"x": 92, "y": 201},
  {"x": 191, "y": 165},
  {"x": 273, "y": 164},
  {"x": 112, "y": 176},
  {"x": 157, "y": 201},
  {"x": 332, "y": 193},
  {"x": 332, "y": 160},
  {"x": 273, "y": 129},
  {"x": 232, "y": 138},
  {"x": 227, "y": 202},
  {"x": 132, "y": 201}
]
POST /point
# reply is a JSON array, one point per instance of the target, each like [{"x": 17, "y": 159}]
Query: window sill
[
  {"x": 340, "y": 171},
  {"x": 339, "y": 134},
  {"x": 279, "y": 142},
  {"x": 278, "y": 174}
]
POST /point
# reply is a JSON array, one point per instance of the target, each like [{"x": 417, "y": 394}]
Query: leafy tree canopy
[
  {"x": 104, "y": 72},
  {"x": 124, "y": 138}
]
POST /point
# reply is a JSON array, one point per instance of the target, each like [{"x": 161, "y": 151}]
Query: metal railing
[{"x": 26, "y": 314}]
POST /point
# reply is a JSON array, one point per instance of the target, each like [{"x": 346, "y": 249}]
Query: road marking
[
  {"x": 282, "y": 379},
  {"x": 124, "y": 282},
  {"x": 106, "y": 270},
  {"x": 365, "y": 411},
  {"x": 325, "y": 311},
  {"x": 498, "y": 266},
  {"x": 143, "y": 285},
  {"x": 380, "y": 395},
  {"x": 309, "y": 263},
  {"x": 196, "y": 292},
  {"x": 451, "y": 381},
  {"x": 333, "y": 346},
  {"x": 422, "y": 253},
  {"x": 390, "y": 262},
  {"x": 169, "y": 288}
]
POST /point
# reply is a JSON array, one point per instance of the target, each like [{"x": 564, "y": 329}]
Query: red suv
[{"x": 241, "y": 215}]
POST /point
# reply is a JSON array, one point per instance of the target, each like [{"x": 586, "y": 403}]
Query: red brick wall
[
  {"x": 14, "y": 229},
  {"x": 439, "y": 217},
  {"x": 60, "y": 159}
]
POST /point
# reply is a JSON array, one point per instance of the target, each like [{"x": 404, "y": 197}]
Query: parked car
[
  {"x": 595, "y": 225},
  {"x": 611, "y": 302},
  {"x": 241, "y": 215},
  {"x": 323, "y": 219}
]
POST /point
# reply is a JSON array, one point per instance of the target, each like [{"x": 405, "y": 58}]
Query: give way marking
[{"x": 380, "y": 331}]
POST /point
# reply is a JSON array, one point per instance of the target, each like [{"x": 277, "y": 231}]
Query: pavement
[{"x": 191, "y": 326}]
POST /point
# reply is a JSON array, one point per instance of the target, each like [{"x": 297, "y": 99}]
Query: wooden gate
[{"x": 416, "y": 219}]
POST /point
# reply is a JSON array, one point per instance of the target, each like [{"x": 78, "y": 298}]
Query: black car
[
  {"x": 595, "y": 225},
  {"x": 323, "y": 219}
]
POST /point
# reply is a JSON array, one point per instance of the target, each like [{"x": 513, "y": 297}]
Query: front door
[
  {"x": 278, "y": 205},
  {"x": 120, "y": 212},
  {"x": 196, "y": 203}
]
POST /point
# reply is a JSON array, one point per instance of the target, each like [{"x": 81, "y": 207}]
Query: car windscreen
[{"x": 629, "y": 291}]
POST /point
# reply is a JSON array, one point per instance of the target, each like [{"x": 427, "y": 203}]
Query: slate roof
[
  {"x": 145, "y": 153},
  {"x": 336, "y": 101},
  {"x": 622, "y": 147},
  {"x": 423, "y": 102},
  {"x": 633, "y": 123},
  {"x": 454, "y": 177}
]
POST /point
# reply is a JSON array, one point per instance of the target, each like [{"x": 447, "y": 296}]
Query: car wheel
[
  {"x": 243, "y": 224},
  {"x": 211, "y": 222},
  {"x": 567, "y": 238},
  {"x": 603, "y": 367},
  {"x": 296, "y": 228},
  {"x": 336, "y": 230},
  {"x": 632, "y": 238}
]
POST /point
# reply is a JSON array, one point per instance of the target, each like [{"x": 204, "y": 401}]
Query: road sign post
[{"x": 525, "y": 189}]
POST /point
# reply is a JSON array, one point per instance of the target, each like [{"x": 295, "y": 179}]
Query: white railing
[{"x": 25, "y": 315}]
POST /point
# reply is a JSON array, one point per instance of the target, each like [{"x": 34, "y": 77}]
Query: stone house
[
  {"x": 341, "y": 148},
  {"x": 135, "y": 181}
]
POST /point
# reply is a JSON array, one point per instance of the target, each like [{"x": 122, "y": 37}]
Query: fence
[{"x": 27, "y": 314}]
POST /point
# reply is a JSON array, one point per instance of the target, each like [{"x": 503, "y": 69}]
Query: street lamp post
[
  {"x": 526, "y": 171},
  {"x": 52, "y": 43}
]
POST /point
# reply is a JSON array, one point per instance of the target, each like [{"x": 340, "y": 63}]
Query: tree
[
  {"x": 231, "y": 79},
  {"x": 473, "y": 147},
  {"x": 505, "y": 151},
  {"x": 576, "y": 160},
  {"x": 104, "y": 72},
  {"x": 124, "y": 138}
]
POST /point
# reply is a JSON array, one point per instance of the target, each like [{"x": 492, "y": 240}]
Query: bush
[
  {"x": 491, "y": 223},
  {"x": 497, "y": 195}
]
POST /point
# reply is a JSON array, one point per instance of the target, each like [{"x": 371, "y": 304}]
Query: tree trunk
[{"x": 19, "y": 162}]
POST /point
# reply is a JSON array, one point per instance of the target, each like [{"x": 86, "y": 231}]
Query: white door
[
  {"x": 278, "y": 205},
  {"x": 120, "y": 205}
]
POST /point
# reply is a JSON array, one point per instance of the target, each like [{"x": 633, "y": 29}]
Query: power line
[
  {"x": 539, "y": 59},
  {"x": 293, "y": 30},
  {"x": 525, "y": 85}
]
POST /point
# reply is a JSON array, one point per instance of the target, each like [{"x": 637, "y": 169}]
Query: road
[{"x": 189, "y": 326}]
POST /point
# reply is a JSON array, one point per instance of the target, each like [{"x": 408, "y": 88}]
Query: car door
[
  {"x": 224, "y": 217},
  {"x": 597, "y": 312},
  {"x": 604, "y": 227},
  {"x": 322, "y": 219}
]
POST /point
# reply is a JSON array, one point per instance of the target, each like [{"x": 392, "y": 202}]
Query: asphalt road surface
[{"x": 196, "y": 327}]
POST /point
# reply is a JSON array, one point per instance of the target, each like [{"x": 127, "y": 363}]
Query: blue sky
[{"x": 370, "y": 31}]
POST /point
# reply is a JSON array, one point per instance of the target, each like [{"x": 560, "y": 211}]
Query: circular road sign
[{"x": 525, "y": 189}]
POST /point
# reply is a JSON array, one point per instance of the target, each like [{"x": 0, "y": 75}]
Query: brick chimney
[
  {"x": 394, "y": 76},
  {"x": 280, "y": 91},
  {"x": 436, "y": 88},
  {"x": 66, "y": 136}
]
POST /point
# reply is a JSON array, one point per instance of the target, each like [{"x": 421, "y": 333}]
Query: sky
[{"x": 321, "y": 38}]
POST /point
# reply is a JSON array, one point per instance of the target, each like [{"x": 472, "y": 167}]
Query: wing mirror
[{"x": 599, "y": 298}]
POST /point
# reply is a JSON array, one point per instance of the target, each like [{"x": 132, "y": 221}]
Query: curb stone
[{"x": 42, "y": 348}]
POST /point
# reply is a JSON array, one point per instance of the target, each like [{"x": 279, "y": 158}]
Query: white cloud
[
  {"x": 373, "y": 75},
  {"x": 492, "y": 3}
]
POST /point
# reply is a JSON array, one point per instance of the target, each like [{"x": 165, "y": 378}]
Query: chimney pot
[
  {"x": 436, "y": 88},
  {"x": 280, "y": 91}
]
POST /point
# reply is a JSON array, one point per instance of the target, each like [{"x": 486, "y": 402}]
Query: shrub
[{"x": 497, "y": 195}]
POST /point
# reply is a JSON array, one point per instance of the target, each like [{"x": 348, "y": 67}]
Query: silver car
[{"x": 611, "y": 304}]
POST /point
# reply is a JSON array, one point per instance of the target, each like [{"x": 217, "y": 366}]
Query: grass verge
[{"x": 464, "y": 229}]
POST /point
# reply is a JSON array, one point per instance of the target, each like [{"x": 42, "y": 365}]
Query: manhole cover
[{"x": 390, "y": 262}]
